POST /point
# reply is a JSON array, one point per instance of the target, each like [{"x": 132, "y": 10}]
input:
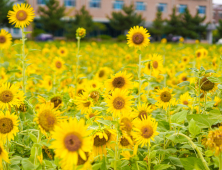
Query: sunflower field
[{"x": 108, "y": 106}]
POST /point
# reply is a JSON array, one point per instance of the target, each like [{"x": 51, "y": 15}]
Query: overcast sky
[{"x": 217, "y": 1}]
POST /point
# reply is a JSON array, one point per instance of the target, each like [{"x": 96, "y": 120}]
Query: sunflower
[
  {"x": 138, "y": 37},
  {"x": 185, "y": 59},
  {"x": 127, "y": 155},
  {"x": 21, "y": 15},
  {"x": 206, "y": 85},
  {"x": 156, "y": 63},
  {"x": 214, "y": 140},
  {"x": 56, "y": 100},
  {"x": 8, "y": 126},
  {"x": 10, "y": 96},
  {"x": 103, "y": 73},
  {"x": 47, "y": 117},
  {"x": 119, "y": 102},
  {"x": 144, "y": 130},
  {"x": 62, "y": 51},
  {"x": 199, "y": 53},
  {"x": 120, "y": 80},
  {"x": 126, "y": 141},
  {"x": 58, "y": 65},
  {"x": 185, "y": 99},
  {"x": 143, "y": 110},
  {"x": 93, "y": 115},
  {"x": 3, "y": 155},
  {"x": 125, "y": 121},
  {"x": 102, "y": 140},
  {"x": 95, "y": 84},
  {"x": 183, "y": 77},
  {"x": 71, "y": 141},
  {"x": 165, "y": 98},
  {"x": 217, "y": 101},
  {"x": 84, "y": 103},
  {"x": 5, "y": 39}
]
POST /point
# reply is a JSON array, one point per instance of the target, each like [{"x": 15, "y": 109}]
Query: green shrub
[
  {"x": 105, "y": 37},
  {"x": 121, "y": 38}
]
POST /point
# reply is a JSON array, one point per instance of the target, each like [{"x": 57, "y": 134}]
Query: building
[
  {"x": 217, "y": 13},
  {"x": 100, "y": 9}
]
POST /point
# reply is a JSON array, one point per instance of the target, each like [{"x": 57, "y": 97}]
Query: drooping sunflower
[
  {"x": 126, "y": 141},
  {"x": 22, "y": 15},
  {"x": 119, "y": 102},
  {"x": 102, "y": 140},
  {"x": 165, "y": 98},
  {"x": 186, "y": 99},
  {"x": 48, "y": 117},
  {"x": 206, "y": 85},
  {"x": 56, "y": 99},
  {"x": 58, "y": 65},
  {"x": 71, "y": 141},
  {"x": 120, "y": 80},
  {"x": 3, "y": 154},
  {"x": 143, "y": 110},
  {"x": 145, "y": 130},
  {"x": 5, "y": 39},
  {"x": 8, "y": 126},
  {"x": 10, "y": 96},
  {"x": 138, "y": 37}
]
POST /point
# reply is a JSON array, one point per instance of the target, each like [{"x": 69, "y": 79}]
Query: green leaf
[
  {"x": 39, "y": 77},
  {"x": 179, "y": 117},
  {"x": 175, "y": 161},
  {"x": 161, "y": 166},
  {"x": 96, "y": 166},
  {"x": 177, "y": 138},
  {"x": 214, "y": 79},
  {"x": 210, "y": 71},
  {"x": 209, "y": 153},
  {"x": 193, "y": 128},
  {"x": 27, "y": 165},
  {"x": 145, "y": 61},
  {"x": 184, "y": 83},
  {"x": 15, "y": 160},
  {"x": 105, "y": 122},
  {"x": 192, "y": 163},
  {"x": 201, "y": 120},
  {"x": 33, "y": 137},
  {"x": 124, "y": 163}
]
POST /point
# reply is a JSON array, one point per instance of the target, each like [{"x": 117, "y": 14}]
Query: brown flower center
[
  {"x": 206, "y": 85},
  {"x": 23, "y": 107},
  {"x": 47, "y": 120},
  {"x": 101, "y": 73},
  {"x": 198, "y": 54},
  {"x": 6, "y": 125},
  {"x": 2, "y": 39},
  {"x": 72, "y": 142},
  {"x": 165, "y": 96},
  {"x": 118, "y": 103},
  {"x": 142, "y": 114},
  {"x": 21, "y": 15},
  {"x": 57, "y": 101},
  {"x": 80, "y": 91},
  {"x": 101, "y": 141},
  {"x": 87, "y": 104},
  {"x": 58, "y": 64},
  {"x": 0, "y": 150},
  {"x": 147, "y": 131},
  {"x": 81, "y": 161},
  {"x": 218, "y": 140},
  {"x": 127, "y": 124},
  {"x": 184, "y": 78},
  {"x": 6, "y": 96},
  {"x": 185, "y": 102},
  {"x": 91, "y": 115},
  {"x": 62, "y": 51},
  {"x": 155, "y": 64},
  {"x": 94, "y": 95},
  {"x": 118, "y": 82},
  {"x": 124, "y": 141},
  {"x": 138, "y": 38}
]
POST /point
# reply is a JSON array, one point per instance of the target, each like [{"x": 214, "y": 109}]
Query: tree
[
  {"x": 5, "y": 6},
  {"x": 98, "y": 27},
  {"x": 50, "y": 16},
  {"x": 82, "y": 19},
  {"x": 125, "y": 19},
  {"x": 158, "y": 25}
]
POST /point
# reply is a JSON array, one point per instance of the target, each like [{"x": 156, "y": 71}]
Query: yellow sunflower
[
  {"x": 217, "y": 101},
  {"x": 120, "y": 80},
  {"x": 126, "y": 121},
  {"x": 10, "y": 96},
  {"x": 93, "y": 115},
  {"x": 84, "y": 103},
  {"x": 126, "y": 141},
  {"x": 47, "y": 117},
  {"x": 144, "y": 130},
  {"x": 156, "y": 63},
  {"x": 8, "y": 126},
  {"x": 103, "y": 73},
  {"x": 199, "y": 53},
  {"x": 62, "y": 51},
  {"x": 71, "y": 141},
  {"x": 21, "y": 15},
  {"x": 56, "y": 99},
  {"x": 144, "y": 110},
  {"x": 5, "y": 39},
  {"x": 3, "y": 155},
  {"x": 138, "y": 37},
  {"x": 58, "y": 65},
  {"x": 186, "y": 99},
  {"x": 119, "y": 102}
]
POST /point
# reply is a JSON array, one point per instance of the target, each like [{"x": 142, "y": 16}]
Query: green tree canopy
[
  {"x": 125, "y": 19},
  {"x": 5, "y": 6},
  {"x": 51, "y": 15},
  {"x": 219, "y": 28}
]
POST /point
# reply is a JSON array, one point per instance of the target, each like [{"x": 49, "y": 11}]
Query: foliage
[
  {"x": 121, "y": 38},
  {"x": 5, "y": 6},
  {"x": 219, "y": 28}
]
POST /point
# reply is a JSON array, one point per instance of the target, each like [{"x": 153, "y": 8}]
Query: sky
[{"x": 217, "y": 1}]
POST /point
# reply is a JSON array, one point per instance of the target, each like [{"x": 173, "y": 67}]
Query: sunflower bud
[{"x": 81, "y": 32}]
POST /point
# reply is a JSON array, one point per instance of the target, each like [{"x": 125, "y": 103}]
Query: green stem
[
  {"x": 77, "y": 63},
  {"x": 139, "y": 76},
  {"x": 149, "y": 80},
  {"x": 7, "y": 149},
  {"x": 220, "y": 161},
  {"x": 197, "y": 149},
  {"x": 148, "y": 156},
  {"x": 205, "y": 102},
  {"x": 23, "y": 62},
  {"x": 117, "y": 147}
]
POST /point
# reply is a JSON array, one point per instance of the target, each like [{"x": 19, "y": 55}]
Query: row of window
[{"x": 118, "y": 4}]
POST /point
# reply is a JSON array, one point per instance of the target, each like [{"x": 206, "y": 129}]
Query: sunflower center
[
  {"x": 118, "y": 103},
  {"x": 101, "y": 73},
  {"x": 87, "y": 104},
  {"x": 124, "y": 141},
  {"x": 101, "y": 141},
  {"x": 0, "y": 150},
  {"x": 57, "y": 101},
  {"x": 91, "y": 115},
  {"x": 127, "y": 124},
  {"x": 94, "y": 95},
  {"x": 185, "y": 59},
  {"x": 82, "y": 161},
  {"x": 58, "y": 64},
  {"x": 6, "y": 125},
  {"x": 148, "y": 66},
  {"x": 147, "y": 131},
  {"x": 155, "y": 64},
  {"x": 94, "y": 85},
  {"x": 118, "y": 82},
  {"x": 62, "y": 51},
  {"x": 47, "y": 120},
  {"x": 165, "y": 96},
  {"x": 138, "y": 38},
  {"x": 198, "y": 54},
  {"x": 2, "y": 39},
  {"x": 185, "y": 102},
  {"x": 6, "y": 96},
  {"x": 21, "y": 15},
  {"x": 72, "y": 142},
  {"x": 206, "y": 85},
  {"x": 23, "y": 107},
  {"x": 184, "y": 78},
  {"x": 80, "y": 91},
  {"x": 142, "y": 114},
  {"x": 218, "y": 140}
]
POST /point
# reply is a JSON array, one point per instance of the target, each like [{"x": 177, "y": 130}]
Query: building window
[
  {"x": 21, "y": 1},
  {"x": 118, "y": 5},
  {"x": 41, "y": 2},
  {"x": 95, "y": 3},
  {"x": 202, "y": 10},
  {"x": 220, "y": 15},
  {"x": 162, "y": 7},
  {"x": 182, "y": 8},
  {"x": 16, "y": 30},
  {"x": 70, "y": 3},
  {"x": 140, "y": 6}
]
